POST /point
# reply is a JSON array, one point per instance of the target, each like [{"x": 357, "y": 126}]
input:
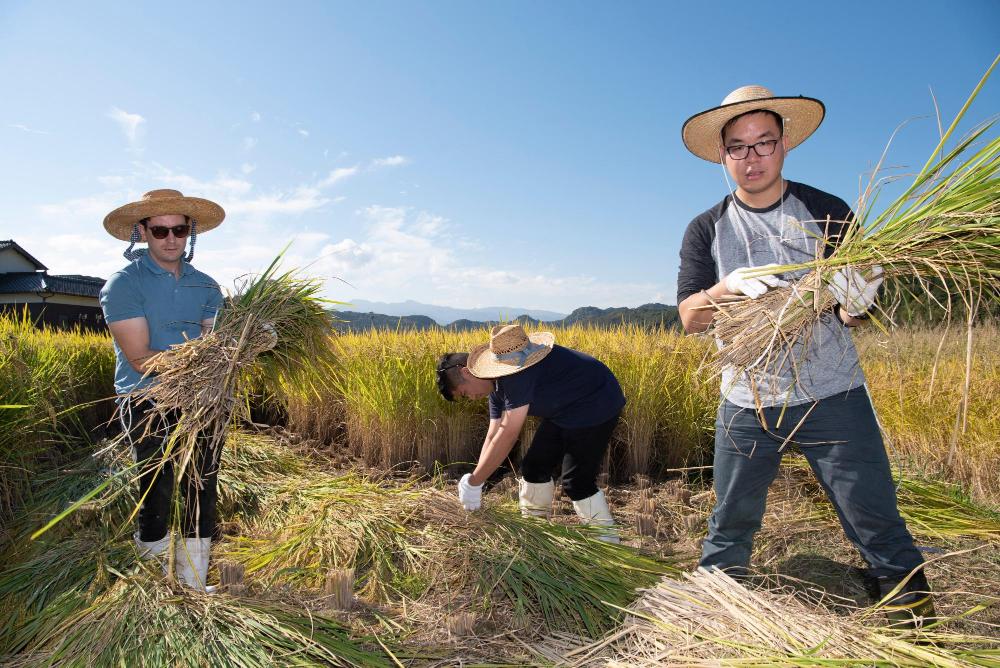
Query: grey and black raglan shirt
[{"x": 731, "y": 235}]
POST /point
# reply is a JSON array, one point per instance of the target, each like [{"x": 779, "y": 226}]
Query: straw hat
[
  {"x": 119, "y": 223},
  {"x": 510, "y": 350},
  {"x": 702, "y": 133}
]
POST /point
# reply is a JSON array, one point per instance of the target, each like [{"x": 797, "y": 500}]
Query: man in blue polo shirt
[
  {"x": 577, "y": 398},
  {"x": 159, "y": 300}
]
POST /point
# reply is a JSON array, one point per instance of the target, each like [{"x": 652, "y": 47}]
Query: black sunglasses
[{"x": 180, "y": 231}]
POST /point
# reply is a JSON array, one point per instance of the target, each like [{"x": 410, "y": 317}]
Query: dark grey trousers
[
  {"x": 841, "y": 440},
  {"x": 156, "y": 479}
]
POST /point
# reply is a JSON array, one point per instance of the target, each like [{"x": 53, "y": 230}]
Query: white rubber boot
[
  {"x": 535, "y": 498},
  {"x": 154, "y": 550},
  {"x": 191, "y": 561},
  {"x": 594, "y": 511}
]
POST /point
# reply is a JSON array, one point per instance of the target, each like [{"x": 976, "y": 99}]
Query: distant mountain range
[
  {"x": 649, "y": 316},
  {"x": 444, "y": 315}
]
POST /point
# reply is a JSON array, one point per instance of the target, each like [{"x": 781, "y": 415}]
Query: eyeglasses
[
  {"x": 761, "y": 148},
  {"x": 180, "y": 231},
  {"x": 450, "y": 366}
]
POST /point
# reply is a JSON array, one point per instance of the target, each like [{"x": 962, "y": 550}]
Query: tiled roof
[
  {"x": 81, "y": 286},
  {"x": 10, "y": 243}
]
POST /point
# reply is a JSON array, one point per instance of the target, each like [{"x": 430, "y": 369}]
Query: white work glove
[
  {"x": 470, "y": 496},
  {"x": 853, "y": 291},
  {"x": 738, "y": 283}
]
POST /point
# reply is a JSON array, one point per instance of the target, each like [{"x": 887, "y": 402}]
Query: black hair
[
  {"x": 449, "y": 374},
  {"x": 775, "y": 115}
]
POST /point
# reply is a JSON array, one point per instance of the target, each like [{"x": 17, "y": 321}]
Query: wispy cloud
[
  {"x": 249, "y": 143},
  {"x": 391, "y": 161},
  {"x": 94, "y": 207},
  {"x": 130, "y": 124},
  {"x": 423, "y": 256},
  {"x": 304, "y": 133},
  {"x": 24, "y": 128},
  {"x": 255, "y": 116},
  {"x": 338, "y": 175},
  {"x": 391, "y": 253}
]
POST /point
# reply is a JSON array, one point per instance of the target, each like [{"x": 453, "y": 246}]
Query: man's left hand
[
  {"x": 270, "y": 338},
  {"x": 854, "y": 291}
]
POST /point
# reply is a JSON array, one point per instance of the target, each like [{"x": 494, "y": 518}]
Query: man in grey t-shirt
[{"x": 816, "y": 398}]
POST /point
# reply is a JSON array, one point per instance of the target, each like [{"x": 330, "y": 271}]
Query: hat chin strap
[
  {"x": 194, "y": 238},
  {"x": 135, "y": 238},
  {"x": 131, "y": 253}
]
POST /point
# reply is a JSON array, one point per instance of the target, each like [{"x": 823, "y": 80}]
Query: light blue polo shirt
[{"x": 173, "y": 308}]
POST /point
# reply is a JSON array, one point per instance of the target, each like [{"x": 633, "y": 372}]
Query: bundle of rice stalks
[
  {"x": 939, "y": 509},
  {"x": 317, "y": 522},
  {"x": 562, "y": 575},
  {"x": 941, "y": 237},
  {"x": 408, "y": 543},
  {"x": 708, "y": 619},
  {"x": 933, "y": 509},
  {"x": 139, "y": 621},
  {"x": 203, "y": 379}
]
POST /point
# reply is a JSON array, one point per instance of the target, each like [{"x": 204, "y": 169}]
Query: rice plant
[
  {"x": 385, "y": 386},
  {"x": 56, "y": 386},
  {"x": 381, "y": 388}
]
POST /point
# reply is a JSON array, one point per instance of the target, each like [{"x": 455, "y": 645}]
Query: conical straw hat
[
  {"x": 510, "y": 350},
  {"x": 702, "y": 133},
  {"x": 208, "y": 214}
]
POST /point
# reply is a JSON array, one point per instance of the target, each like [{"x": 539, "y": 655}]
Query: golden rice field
[
  {"x": 383, "y": 404},
  {"x": 344, "y": 545}
]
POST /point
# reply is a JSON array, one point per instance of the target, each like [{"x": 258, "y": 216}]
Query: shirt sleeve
[
  {"x": 697, "y": 271},
  {"x": 120, "y": 299},
  {"x": 831, "y": 213},
  {"x": 496, "y": 405},
  {"x": 517, "y": 389},
  {"x": 213, "y": 304}
]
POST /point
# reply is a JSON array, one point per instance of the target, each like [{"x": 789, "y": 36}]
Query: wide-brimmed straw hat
[
  {"x": 207, "y": 214},
  {"x": 702, "y": 133},
  {"x": 510, "y": 350}
]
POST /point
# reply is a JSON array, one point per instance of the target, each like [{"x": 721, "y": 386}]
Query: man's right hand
[
  {"x": 738, "y": 283},
  {"x": 469, "y": 495}
]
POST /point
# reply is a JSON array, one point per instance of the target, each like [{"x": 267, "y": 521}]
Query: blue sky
[{"x": 459, "y": 153}]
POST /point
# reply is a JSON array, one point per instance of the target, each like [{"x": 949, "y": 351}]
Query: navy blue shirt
[
  {"x": 568, "y": 387},
  {"x": 173, "y": 308}
]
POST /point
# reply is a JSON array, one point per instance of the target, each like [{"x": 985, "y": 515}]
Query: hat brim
[
  {"x": 483, "y": 363},
  {"x": 208, "y": 214},
  {"x": 702, "y": 133}
]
